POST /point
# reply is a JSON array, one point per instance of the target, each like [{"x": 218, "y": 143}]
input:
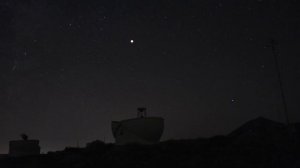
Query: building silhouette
[
  {"x": 24, "y": 147},
  {"x": 142, "y": 130}
]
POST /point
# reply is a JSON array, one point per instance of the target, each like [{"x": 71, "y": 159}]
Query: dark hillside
[{"x": 258, "y": 143}]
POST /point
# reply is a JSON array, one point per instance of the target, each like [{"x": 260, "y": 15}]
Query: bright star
[{"x": 131, "y": 41}]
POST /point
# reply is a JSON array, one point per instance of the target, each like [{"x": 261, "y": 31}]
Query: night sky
[{"x": 70, "y": 67}]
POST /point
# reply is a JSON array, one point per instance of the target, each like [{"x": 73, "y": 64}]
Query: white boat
[{"x": 142, "y": 130}]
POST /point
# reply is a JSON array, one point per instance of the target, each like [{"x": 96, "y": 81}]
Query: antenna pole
[
  {"x": 285, "y": 110},
  {"x": 77, "y": 144}
]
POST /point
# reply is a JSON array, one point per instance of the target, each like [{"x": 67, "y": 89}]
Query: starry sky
[{"x": 70, "y": 67}]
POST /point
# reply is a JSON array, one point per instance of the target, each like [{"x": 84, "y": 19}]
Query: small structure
[
  {"x": 24, "y": 147},
  {"x": 142, "y": 130}
]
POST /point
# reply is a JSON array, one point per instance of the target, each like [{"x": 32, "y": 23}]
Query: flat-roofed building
[{"x": 24, "y": 148}]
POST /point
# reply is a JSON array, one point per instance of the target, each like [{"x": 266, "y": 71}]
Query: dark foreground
[{"x": 258, "y": 143}]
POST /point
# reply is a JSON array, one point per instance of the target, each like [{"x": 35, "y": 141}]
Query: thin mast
[{"x": 285, "y": 110}]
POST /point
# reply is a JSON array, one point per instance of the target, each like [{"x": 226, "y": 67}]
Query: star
[{"x": 131, "y": 41}]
